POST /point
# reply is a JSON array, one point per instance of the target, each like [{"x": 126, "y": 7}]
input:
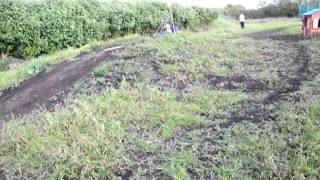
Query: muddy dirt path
[
  {"x": 254, "y": 110},
  {"x": 41, "y": 90},
  {"x": 298, "y": 71}
]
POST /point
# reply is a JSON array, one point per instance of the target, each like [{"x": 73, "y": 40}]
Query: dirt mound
[{"x": 41, "y": 90}]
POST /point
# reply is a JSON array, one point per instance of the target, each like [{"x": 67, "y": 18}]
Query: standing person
[{"x": 242, "y": 19}]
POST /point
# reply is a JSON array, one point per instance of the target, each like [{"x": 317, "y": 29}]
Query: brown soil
[
  {"x": 275, "y": 34},
  {"x": 256, "y": 110},
  {"x": 42, "y": 89},
  {"x": 235, "y": 83}
]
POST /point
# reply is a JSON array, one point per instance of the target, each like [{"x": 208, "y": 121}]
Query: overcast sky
[{"x": 249, "y": 4}]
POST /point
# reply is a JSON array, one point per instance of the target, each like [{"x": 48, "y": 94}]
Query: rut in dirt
[
  {"x": 41, "y": 90},
  {"x": 255, "y": 110},
  {"x": 252, "y": 110}
]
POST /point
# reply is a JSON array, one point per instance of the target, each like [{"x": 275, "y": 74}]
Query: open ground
[{"x": 214, "y": 104}]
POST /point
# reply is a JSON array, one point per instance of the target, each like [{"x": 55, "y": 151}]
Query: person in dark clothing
[{"x": 175, "y": 27}]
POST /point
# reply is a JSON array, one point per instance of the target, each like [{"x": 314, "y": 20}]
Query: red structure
[{"x": 311, "y": 22}]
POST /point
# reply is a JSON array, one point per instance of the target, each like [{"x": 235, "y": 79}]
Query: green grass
[
  {"x": 178, "y": 163},
  {"x": 212, "y": 101},
  {"x": 100, "y": 73},
  {"x": 198, "y": 46},
  {"x": 101, "y": 70},
  {"x": 268, "y": 24},
  {"x": 227, "y": 27},
  {"x": 13, "y": 77},
  {"x": 196, "y": 55},
  {"x": 157, "y": 128},
  {"x": 286, "y": 149},
  {"x": 84, "y": 139}
]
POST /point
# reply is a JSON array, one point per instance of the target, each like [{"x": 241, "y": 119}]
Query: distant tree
[
  {"x": 277, "y": 8},
  {"x": 234, "y": 10},
  {"x": 262, "y": 3},
  {"x": 307, "y": 1},
  {"x": 288, "y": 7}
]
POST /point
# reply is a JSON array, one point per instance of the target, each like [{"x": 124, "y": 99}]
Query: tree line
[{"x": 277, "y": 8}]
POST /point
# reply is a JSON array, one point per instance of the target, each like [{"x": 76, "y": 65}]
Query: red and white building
[{"x": 311, "y": 22}]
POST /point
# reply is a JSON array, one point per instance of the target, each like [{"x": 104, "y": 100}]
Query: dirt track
[
  {"x": 296, "y": 72},
  {"x": 293, "y": 68},
  {"x": 41, "y": 90}
]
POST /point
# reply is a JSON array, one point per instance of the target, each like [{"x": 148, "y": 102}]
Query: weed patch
[
  {"x": 217, "y": 104},
  {"x": 90, "y": 131}
]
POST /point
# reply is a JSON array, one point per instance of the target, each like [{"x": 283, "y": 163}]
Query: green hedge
[{"x": 33, "y": 27}]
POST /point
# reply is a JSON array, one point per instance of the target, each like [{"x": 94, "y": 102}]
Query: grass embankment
[
  {"x": 166, "y": 120},
  {"x": 12, "y": 77},
  {"x": 222, "y": 27}
]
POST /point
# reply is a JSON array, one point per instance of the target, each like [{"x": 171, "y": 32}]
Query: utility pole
[{"x": 169, "y": 3}]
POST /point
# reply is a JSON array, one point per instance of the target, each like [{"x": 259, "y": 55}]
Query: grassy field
[
  {"x": 27, "y": 68},
  {"x": 216, "y": 104}
]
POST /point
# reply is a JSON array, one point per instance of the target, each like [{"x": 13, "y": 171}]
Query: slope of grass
[
  {"x": 222, "y": 28},
  {"x": 13, "y": 77},
  {"x": 150, "y": 127},
  {"x": 84, "y": 139}
]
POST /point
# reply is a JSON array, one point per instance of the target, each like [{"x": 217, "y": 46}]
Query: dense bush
[
  {"x": 193, "y": 16},
  {"x": 32, "y": 27}
]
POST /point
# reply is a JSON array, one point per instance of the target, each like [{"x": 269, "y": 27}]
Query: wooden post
[
  {"x": 172, "y": 19},
  {"x": 169, "y": 3}
]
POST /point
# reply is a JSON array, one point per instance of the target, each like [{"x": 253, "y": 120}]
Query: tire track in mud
[
  {"x": 41, "y": 90},
  {"x": 55, "y": 81},
  {"x": 252, "y": 110}
]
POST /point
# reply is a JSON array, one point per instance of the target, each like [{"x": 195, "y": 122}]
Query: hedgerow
[{"x": 33, "y": 27}]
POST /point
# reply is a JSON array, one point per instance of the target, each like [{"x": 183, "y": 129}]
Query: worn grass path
[
  {"x": 180, "y": 112},
  {"x": 42, "y": 89}
]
